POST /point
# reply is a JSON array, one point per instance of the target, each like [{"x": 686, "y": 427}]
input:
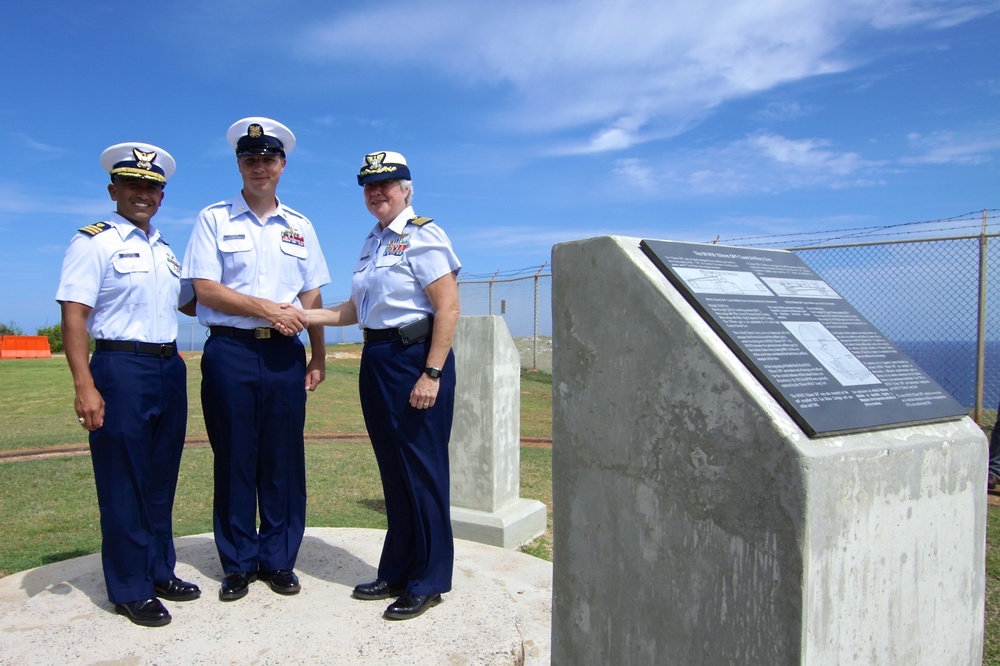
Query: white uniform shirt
[
  {"x": 276, "y": 259},
  {"x": 396, "y": 265},
  {"x": 132, "y": 282}
]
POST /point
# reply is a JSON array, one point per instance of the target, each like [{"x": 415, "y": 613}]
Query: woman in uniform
[{"x": 404, "y": 295}]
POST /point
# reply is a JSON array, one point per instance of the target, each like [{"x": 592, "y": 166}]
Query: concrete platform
[{"x": 499, "y": 612}]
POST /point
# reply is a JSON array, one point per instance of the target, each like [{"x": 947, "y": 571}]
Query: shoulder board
[
  {"x": 96, "y": 228},
  {"x": 163, "y": 240},
  {"x": 420, "y": 221}
]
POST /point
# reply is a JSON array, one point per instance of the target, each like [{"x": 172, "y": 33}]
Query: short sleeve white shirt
[
  {"x": 130, "y": 280},
  {"x": 276, "y": 259},
  {"x": 396, "y": 265}
]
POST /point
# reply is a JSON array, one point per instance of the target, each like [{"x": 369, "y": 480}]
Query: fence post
[
  {"x": 491, "y": 291},
  {"x": 534, "y": 322},
  {"x": 977, "y": 413}
]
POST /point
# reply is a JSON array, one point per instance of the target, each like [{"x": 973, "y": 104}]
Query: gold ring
[{"x": 81, "y": 420}]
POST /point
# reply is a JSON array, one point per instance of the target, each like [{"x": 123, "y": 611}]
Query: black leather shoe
[
  {"x": 410, "y": 605},
  {"x": 148, "y": 612},
  {"x": 236, "y": 585},
  {"x": 282, "y": 581},
  {"x": 378, "y": 589},
  {"x": 176, "y": 589}
]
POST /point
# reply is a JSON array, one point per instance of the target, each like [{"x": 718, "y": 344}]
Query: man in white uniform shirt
[
  {"x": 248, "y": 255},
  {"x": 120, "y": 283}
]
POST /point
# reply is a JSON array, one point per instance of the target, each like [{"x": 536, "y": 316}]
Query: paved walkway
[{"x": 499, "y": 612}]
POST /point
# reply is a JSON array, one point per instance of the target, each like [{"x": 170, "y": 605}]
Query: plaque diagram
[
  {"x": 734, "y": 283},
  {"x": 831, "y": 353},
  {"x": 799, "y": 288}
]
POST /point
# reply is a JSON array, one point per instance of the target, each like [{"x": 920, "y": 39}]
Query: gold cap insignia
[
  {"x": 144, "y": 160},
  {"x": 255, "y": 131}
]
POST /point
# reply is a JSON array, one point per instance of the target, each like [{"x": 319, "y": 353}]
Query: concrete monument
[
  {"x": 485, "y": 452},
  {"x": 696, "y": 523}
]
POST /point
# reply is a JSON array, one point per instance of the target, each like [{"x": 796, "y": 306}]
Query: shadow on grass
[
  {"x": 375, "y": 504},
  {"x": 52, "y": 558}
]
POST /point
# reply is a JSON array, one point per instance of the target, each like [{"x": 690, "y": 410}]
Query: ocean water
[{"x": 952, "y": 364}]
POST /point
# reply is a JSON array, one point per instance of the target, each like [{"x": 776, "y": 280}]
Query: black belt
[
  {"x": 162, "y": 349},
  {"x": 415, "y": 331},
  {"x": 232, "y": 332},
  {"x": 380, "y": 334}
]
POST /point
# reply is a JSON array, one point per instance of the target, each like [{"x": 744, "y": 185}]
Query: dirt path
[{"x": 74, "y": 450}]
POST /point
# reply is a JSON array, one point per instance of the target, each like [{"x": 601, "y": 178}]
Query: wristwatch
[{"x": 433, "y": 373}]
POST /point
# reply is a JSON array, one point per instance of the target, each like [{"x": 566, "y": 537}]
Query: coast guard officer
[
  {"x": 404, "y": 294},
  {"x": 246, "y": 256},
  {"x": 121, "y": 283}
]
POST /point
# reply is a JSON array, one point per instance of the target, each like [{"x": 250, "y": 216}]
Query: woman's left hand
[{"x": 424, "y": 393}]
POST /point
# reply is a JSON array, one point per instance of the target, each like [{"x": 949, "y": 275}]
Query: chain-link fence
[
  {"x": 933, "y": 298},
  {"x": 525, "y": 303}
]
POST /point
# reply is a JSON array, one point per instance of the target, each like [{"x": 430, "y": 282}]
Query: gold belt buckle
[{"x": 262, "y": 333}]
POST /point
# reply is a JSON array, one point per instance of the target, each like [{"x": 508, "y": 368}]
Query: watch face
[{"x": 433, "y": 373}]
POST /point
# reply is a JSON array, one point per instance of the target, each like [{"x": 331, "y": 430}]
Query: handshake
[{"x": 290, "y": 319}]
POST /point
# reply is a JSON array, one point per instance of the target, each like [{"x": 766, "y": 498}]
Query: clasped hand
[{"x": 291, "y": 319}]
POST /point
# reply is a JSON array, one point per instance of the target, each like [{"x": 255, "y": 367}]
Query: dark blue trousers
[
  {"x": 136, "y": 456},
  {"x": 411, "y": 447},
  {"x": 254, "y": 398}
]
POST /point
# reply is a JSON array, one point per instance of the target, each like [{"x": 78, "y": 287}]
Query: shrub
[{"x": 54, "y": 334}]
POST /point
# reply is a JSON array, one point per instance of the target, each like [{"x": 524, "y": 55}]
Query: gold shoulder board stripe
[
  {"x": 94, "y": 229},
  {"x": 421, "y": 221}
]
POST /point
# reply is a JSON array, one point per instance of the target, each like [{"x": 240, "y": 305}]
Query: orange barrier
[{"x": 24, "y": 346}]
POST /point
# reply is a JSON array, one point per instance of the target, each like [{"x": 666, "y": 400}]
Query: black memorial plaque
[{"x": 831, "y": 370}]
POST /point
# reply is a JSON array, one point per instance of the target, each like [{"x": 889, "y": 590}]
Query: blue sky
[{"x": 525, "y": 123}]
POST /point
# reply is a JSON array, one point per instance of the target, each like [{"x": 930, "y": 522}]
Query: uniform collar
[
  {"x": 399, "y": 222},
  {"x": 126, "y": 228},
  {"x": 239, "y": 207}
]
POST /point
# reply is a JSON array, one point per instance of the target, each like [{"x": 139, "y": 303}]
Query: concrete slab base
[
  {"x": 499, "y": 612},
  {"x": 511, "y": 527}
]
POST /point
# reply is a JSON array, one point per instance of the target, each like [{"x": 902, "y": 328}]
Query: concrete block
[
  {"x": 695, "y": 523},
  {"x": 511, "y": 527},
  {"x": 485, "y": 453}
]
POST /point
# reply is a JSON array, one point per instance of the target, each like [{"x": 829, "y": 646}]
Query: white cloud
[
  {"x": 637, "y": 173},
  {"x": 17, "y": 201},
  {"x": 805, "y": 154},
  {"x": 759, "y": 163},
  {"x": 38, "y": 149},
  {"x": 953, "y": 147},
  {"x": 780, "y": 112},
  {"x": 624, "y": 72}
]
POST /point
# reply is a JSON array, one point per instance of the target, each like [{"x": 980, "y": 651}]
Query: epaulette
[
  {"x": 96, "y": 228},
  {"x": 420, "y": 221},
  {"x": 295, "y": 213}
]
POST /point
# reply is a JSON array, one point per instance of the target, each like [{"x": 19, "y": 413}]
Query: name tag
[{"x": 130, "y": 262}]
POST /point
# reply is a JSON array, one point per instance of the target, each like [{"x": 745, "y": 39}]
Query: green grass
[
  {"x": 49, "y": 506},
  {"x": 36, "y": 404}
]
